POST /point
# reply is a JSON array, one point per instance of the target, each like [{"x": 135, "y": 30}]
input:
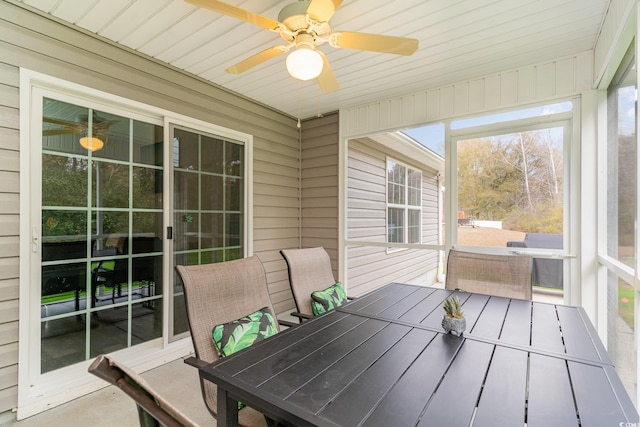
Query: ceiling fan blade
[
  {"x": 323, "y": 10},
  {"x": 236, "y": 12},
  {"x": 59, "y": 121},
  {"x": 375, "y": 43},
  {"x": 257, "y": 59},
  {"x": 104, "y": 124},
  {"x": 49, "y": 132},
  {"x": 327, "y": 80}
]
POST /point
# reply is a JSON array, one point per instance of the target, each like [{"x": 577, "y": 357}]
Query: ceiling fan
[
  {"x": 304, "y": 25},
  {"x": 92, "y": 141}
]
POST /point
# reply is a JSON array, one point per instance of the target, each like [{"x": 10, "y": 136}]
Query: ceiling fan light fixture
[
  {"x": 304, "y": 63},
  {"x": 93, "y": 143}
]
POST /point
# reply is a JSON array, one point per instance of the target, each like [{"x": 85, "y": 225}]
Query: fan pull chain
[
  {"x": 318, "y": 113},
  {"x": 298, "y": 125}
]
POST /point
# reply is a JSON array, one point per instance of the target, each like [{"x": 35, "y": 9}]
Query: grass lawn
[
  {"x": 67, "y": 296},
  {"x": 625, "y": 304}
]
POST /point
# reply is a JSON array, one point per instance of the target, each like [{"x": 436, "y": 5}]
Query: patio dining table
[{"x": 384, "y": 360}]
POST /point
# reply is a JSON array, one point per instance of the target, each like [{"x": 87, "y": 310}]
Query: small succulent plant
[{"x": 453, "y": 307}]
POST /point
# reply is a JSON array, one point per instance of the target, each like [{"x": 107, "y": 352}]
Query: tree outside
[{"x": 515, "y": 178}]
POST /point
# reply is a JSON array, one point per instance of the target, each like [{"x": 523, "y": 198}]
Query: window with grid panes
[{"x": 404, "y": 206}]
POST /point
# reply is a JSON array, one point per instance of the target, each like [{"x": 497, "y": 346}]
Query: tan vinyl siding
[
  {"x": 41, "y": 44},
  {"x": 276, "y": 213},
  {"x": 429, "y": 207},
  {"x": 366, "y": 195},
  {"x": 9, "y": 239},
  {"x": 319, "y": 185},
  {"x": 372, "y": 267}
]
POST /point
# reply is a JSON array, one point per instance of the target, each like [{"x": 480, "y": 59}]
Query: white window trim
[
  {"x": 405, "y": 207},
  {"x": 36, "y": 392}
]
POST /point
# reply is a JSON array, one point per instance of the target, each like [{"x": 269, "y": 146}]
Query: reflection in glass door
[
  {"x": 208, "y": 203},
  {"x": 101, "y": 254},
  {"x": 510, "y": 195}
]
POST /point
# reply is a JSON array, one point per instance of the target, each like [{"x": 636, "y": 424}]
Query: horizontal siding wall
[
  {"x": 319, "y": 185},
  {"x": 371, "y": 267},
  {"x": 430, "y": 217},
  {"x": 538, "y": 83},
  {"x": 34, "y": 42},
  {"x": 9, "y": 239}
]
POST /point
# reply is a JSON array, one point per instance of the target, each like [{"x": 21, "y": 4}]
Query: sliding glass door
[
  {"x": 116, "y": 194},
  {"x": 208, "y": 205},
  {"x": 101, "y": 221}
]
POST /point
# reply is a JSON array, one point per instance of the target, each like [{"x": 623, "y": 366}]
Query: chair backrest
[
  {"x": 309, "y": 271},
  {"x": 219, "y": 293},
  {"x": 500, "y": 275},
  {"x": 153, "y": 409}
]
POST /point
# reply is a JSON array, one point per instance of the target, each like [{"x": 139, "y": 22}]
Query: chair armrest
[
  {"x": 301, "y": 316},
  {"x": 195, "y": 362},
  {"x": 287, "y": 323}
]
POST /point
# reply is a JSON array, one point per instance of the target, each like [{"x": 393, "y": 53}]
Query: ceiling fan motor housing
[
  {"x": 297, "y": 25},
  {"x": 293, "y": 15},
  {"x": 95, "y": 119}
]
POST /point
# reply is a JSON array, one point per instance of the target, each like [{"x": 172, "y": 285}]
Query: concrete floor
[{"x": 110, "y": 407}]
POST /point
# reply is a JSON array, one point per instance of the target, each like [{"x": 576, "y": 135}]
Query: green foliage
[
  {"x": 514, "y": 178},
  {"x": 64, "y": 181},
  {"x": 626, "y": 295},
  {"x": 546, "y": 219},
  {"x": 64, "y": 223},
  {"x": 453, "y": 307}
]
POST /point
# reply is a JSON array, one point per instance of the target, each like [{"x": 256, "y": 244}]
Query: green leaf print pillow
[
  {"x": 241, "y": 333},
  {"x": 328, "y": 299},
  {"x": 233, "y": 336}
]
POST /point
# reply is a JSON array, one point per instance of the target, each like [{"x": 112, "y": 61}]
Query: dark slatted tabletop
[{"x": 383, "y": 360}]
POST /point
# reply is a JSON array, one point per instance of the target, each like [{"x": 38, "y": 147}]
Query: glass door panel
[
  {"x": 101, "y": 264},
  {"x": 208, "y": 206}
]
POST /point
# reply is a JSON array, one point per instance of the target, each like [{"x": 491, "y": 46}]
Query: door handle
[{"x": 35, "y": 239}]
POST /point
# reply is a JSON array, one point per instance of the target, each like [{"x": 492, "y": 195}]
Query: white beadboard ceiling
[{"x": 458, "y": 40}]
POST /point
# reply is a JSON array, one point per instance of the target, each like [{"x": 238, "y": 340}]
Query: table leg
[{"x": 227, "y": 410}]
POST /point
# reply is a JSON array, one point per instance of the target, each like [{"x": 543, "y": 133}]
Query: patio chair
[
  {"x": 101, "y": 276},
  {"x": 215, "y": 294},
  {"x": 500, "y": 275},
  {"x": 153, "y": 410},
  {"x": 309, "y": 271}
]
